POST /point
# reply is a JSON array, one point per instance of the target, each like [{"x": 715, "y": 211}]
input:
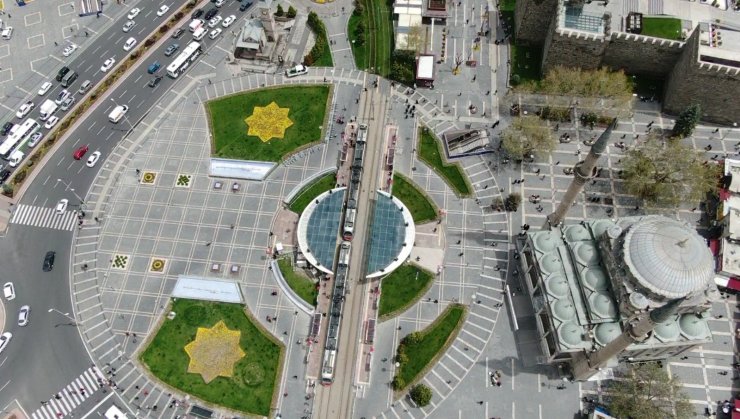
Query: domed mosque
[{"x": 592, "y": 283}]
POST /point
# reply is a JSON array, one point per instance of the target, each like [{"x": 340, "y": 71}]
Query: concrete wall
[
  {"x": 532, "y": 19},
  {"x": 642, "y": 54}
]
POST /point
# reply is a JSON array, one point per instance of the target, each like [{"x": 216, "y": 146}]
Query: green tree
[
  {"x": 421, "y": 395},
  {"x": 398, "y": 383},
  {"x": 512, "y": 202},
  {"x": 647, "y": 392},
  {"x": 292, "y": 12},
  {"x": 686, "y": 121},
  {"x": 8, "y": 189},
  {"x": 359, "y": 9},
  {"x": 528, "y": 135},
  {"x": 667, "y": 173},
  {"x": 402, "y": 358},
  {"x": 412, "y": 338},
  {"x": 279, "y": 11}
]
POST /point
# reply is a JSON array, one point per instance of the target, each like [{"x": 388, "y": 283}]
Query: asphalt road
[{"x": 47, "y": 354}]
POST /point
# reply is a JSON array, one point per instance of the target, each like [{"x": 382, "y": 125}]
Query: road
[
  {"x": 46, "y": 355},
  {"x": 336, "y": 401}
]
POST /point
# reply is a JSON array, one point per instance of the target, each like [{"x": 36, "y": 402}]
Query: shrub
[
  {"x": 402, "y": 358},
  {"x": 8, "y": 190},
  {"x": 279, "y": 12},
  {"x": 421, "y": 395},
  {"x": 398, "y": 383},
  {"x": 359, "y": 9},
  {"x": 512, "y": 202},
  {"x": 515, "y": 79},
  {"x": 412, "y": 338},
  {"x": 292, "y": 12}
]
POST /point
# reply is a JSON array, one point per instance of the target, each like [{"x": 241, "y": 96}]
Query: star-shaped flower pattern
[
  {"x": 268, "y": 122},
  {"x": 214, "y": 352}
]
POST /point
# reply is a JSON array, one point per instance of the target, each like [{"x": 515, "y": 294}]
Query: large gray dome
[{"x": 667, "y": 257}]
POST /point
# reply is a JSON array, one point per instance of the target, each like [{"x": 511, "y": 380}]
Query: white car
[
  {"x": 128, "y": 25},
  {"x": 162, "y": 10},
  {"x": 228, "y": 21},
  {"x": 51, "y": 122},
  {"x": 9, "y": 291},
  {"x": 62, "y": 96},
  {"x": 108, "y": 64},
  {"x": 23, "y": 315},
  {"x": 4, "y": 339},
  {"x": 45, "y": 88},
  {"x": 133, "y": 13},
  {"x": 25, "y": 109},
  {"x": 215, "y": 33},
  {"x": 130, "y": 43},
  {"x": 61, "y": 206},
  {"x": 69, "y": 49},
  {"x": 214, "y": 22},
  {"x": 35, "y": 138},
  {"x": 93, "y": 159},
  {"x": 219, "y": 3}
]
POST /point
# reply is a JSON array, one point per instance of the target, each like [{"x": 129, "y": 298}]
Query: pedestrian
[
  {"x": 56, "y": 44},
  {"x": 480, "y": 402},
  {"x": 208, "y": 244}
]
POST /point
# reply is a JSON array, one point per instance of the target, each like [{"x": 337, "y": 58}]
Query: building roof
[
  {"x": 251, "y": 35},
  {"x": 318, "y": 227},
  {"x": 425, "y": 67},
  {"x": 392, "y": 235}
]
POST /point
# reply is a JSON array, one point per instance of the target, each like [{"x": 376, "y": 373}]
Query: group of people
[{"x": 495, "y": 377}]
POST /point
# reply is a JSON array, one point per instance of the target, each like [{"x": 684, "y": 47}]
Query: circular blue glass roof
[
  {"x": 390, "y": 223},
  {"x": 323, "y": 226}
]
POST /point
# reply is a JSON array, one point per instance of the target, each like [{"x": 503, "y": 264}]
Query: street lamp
[
  {"x": 69, "y": 187},
  {"x": 734, "y": 125},
  {"x": 65, "y": 315}
]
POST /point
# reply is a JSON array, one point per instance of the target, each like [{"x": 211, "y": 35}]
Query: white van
[
  {"x": 117, "y": 113},
  {"x": 199, "y": 33},
  {"x": 15, "y": 158},
  {"x": 195, "y": 24},
  {"x": 47, "y": 109},
  {"x": 7, "y": 32}
]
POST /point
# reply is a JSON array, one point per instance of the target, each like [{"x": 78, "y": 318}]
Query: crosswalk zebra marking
[
  {"x": 70, "y": 396},
  {"x": 43, "y": 217}
]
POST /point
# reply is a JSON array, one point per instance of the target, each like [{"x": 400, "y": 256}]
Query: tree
[
  {"x": 398, "y": 383},
  {"x": 412, "y": 338},
  {"x": 687, "y": 120},
  {"x": 279, "y": 11},
  {"x": 403, "y": 63},
  {"x": 512, "y": 202},
  {"x": 359, "y": 9},
  {"x": 667, "y": 173},
  {"x": 647, "y": 392},
  {"x": 421, "y": 395},
  {"x": 292, "y": 12},
  {"x": 528, "y": 135}
]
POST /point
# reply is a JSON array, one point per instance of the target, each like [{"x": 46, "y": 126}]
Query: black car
[
  {"x": 49, "y": 261},
  {"x": 245, "y": 5},
  {"x": 178, "y": 33},
  {"x": 4, "y": 175},
  {"x": 198, "y": 13},
  {"x": 171, "y": 49},
  {"x": 155, "y": 81},
  {"x": 63, "y": 72},
  {"x": 211, "y": 13},
  {"x": 7, "y": 127}
]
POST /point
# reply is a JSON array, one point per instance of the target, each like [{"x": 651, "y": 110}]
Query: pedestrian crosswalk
[
  {"x": 43, "y": 217},
  {"x": 62, "y": 403}
]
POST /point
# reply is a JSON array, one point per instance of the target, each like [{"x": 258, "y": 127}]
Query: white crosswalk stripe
[
  {"x": 43, "y": 217},
  {"x": 71, "y": 396}
]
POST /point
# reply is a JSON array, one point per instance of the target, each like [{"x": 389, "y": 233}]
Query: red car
[{"x": 80, "y": 152}]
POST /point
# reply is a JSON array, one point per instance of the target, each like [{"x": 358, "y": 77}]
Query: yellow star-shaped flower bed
[
  {"x": 268, "y": 122},
  {"x": 214, "y": 352}
]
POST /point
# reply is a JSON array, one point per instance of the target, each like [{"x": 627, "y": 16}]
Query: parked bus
[
  {"x": 19, "y": 137},
  {"x": 183, "y": 61}
]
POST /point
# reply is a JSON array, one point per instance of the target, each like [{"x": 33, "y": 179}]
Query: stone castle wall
[
  {"x": 565, "y": 47},
  {"x": 532, "y": 20},
  {"x": 642, "y": 54}
]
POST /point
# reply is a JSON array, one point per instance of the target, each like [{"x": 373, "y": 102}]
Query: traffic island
[
  {"x": 420, "y": 206},
  {"x": 218, "y": 353},
  {"x": 401, "y": 289},
  {"x": 430, "y": 152}
]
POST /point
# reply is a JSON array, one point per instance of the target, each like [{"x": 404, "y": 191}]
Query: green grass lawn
[
  {"x": 422, "y": 208},
  {"x": 402, "y": 288},
  {"x": 255, "y": 379},
  {"x": 507, "y": 5},
  {"x": 302, "y": 285},
  {"x": 314, "y": 189},
  {"x": 434, "y": 339},
  {"x": 430, "y": 152},
  {"x": 324, "y": 59},
  {"x": 227, "y": 122},
  {"x": 359, "y": 52},
  {"x": 525, "y": 64},
  {"x": 661, "y": 27},
  {"x": 376, "y": 53}
]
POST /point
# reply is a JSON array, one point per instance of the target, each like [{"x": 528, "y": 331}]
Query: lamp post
[
  {"x": 65, "y": 315},
  {"x": 734, "y": 125}
]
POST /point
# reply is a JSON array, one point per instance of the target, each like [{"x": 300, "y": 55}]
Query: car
[
  {"x": 93, "y": 159},
  {"x": 64, "y": 94},
  {"x": 4, "y": 339},
  {"x": 153, "y": 67},
  {"x": 7, "y": 33},
  {"x": 25, "y": 109},
  {"x": 130, "y": 43},
  {"x": 128, "y": 26},
  {"x": 45, "y": 88},
  {"x": 196, "y": 14},
  {"x": 228, "y": 21},
  {"x": 51, "y": 122},
  {"x": 171, "y": 49},
  {"x": 178, "y": 33},
  {"x": 68, "y": 102},
  {"x": 23, "y": 315},
  {"x": 214, "y": 21},
  {"x": 155, "y": 81},
  {"x": 61, "y": 206},
  {"x": 9, "y": 291},
  {"x": 49, "y": 261},
  {"x": 4, "y": 175},
  {"x": 211, "y": 13},
  {"x": 219, "y": 3},
  {"x": 81, "y": 150},
  {"x": 69, "y": 49},
  {"x": 215, "y": 33},
  {"x": 245, "y": 5},
  {"x": 162, "y": 10},
  {"x": 62, "y": 72},
  {"x": 7, "y": 127},
  {"x": 35, "y": 139},
  {"x": 108, "y": 64},
  {"x": 133, "y": 13}
]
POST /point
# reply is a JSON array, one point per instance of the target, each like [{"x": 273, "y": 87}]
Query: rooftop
[
  {"x": 391, "y": 235},
  {"x": 318, "y": 229}
]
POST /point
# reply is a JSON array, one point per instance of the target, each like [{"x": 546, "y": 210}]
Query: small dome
[
  {"x": 595, "y": 278},
  {"x": 563, "y": 310},
  {"x": 577, "y": 233},
  {"x": 602, "y": 305},
  {"x": 638, "y": 301},
  {"x": 545, "y": 242},
  {"x": 557, "y": 286},
  {"x": 586, "y": 253},
  {"x": 606, "y": 332},
  {"x": 570, "y": 334},
  {"x": 693, "y": 327},
  {"x": 550, "y": 263},
  {"x": 667, "y": 331},
  {"x": 598, "y": 227}
]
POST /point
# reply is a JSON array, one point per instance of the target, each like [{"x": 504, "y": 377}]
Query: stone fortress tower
[{"x": 705, "y": 68}]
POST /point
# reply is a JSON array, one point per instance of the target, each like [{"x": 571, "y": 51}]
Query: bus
[
  {"x": 19, "y": 137},
  {"x": 183, "y": 61}
]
